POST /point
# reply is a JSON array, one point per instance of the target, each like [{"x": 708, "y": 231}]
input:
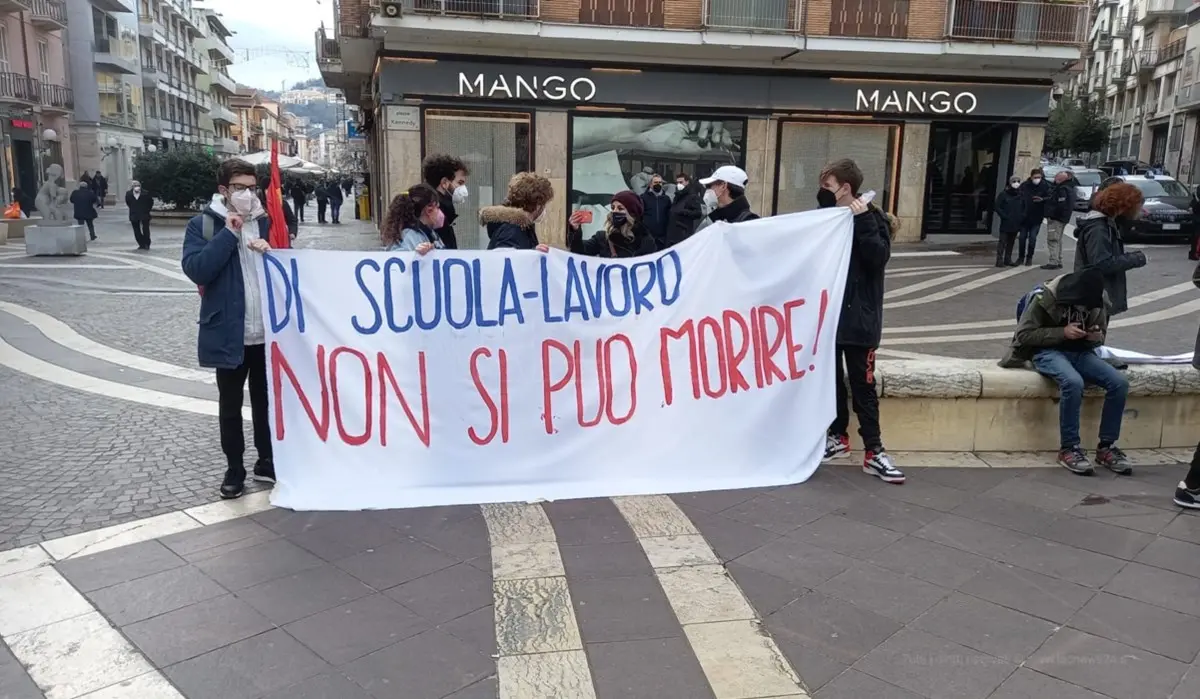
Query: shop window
[
  {"x": 612, "y": 154},
  {"x": 494, "y": 145},
  {"x": 806, "y": 147}
]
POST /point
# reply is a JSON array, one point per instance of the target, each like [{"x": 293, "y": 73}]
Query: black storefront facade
[{"x": 934, "y": 151}]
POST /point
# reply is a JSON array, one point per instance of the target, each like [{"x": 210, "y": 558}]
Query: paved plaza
[{"x": 985, "y": 576}]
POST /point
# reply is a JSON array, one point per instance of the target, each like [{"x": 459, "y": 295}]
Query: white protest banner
[{"x": 468, "y": 377}]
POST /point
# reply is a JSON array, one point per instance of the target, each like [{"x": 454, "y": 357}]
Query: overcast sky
[{"x": 273, "y": 24}]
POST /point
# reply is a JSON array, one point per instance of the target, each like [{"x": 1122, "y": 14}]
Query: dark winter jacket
[
  {"x": 298, "y": 193},
  {"x": 446, "y": 232},
  {"x": 85, "y": 201},
  {"x": 1061, "y": 206},
  {"x": 1035, "y": 211},
  {"x": 1041, "y": 325},
  {"x": 736, "y": 211},
  {"x": 1098, "y": 244},
  {"x": 214, "y": 265},
  {"x": 139, "y": 207},
  {"x": 289, "y": 216},
  {"x": 335, "y": 195},
  {"x": 656, "y": 215},
  {"x": 861, "y": 324},
  {"x": 686, "y": 212},
  {"x": 322, "y": 193},
  {"x": 599, "y": 245},
  {"x": 1010, "y": 207},
  {"x": 508, "y": 227}
]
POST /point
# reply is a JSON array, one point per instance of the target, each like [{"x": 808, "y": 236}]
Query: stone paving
[{"x": 1005, "y": 583}]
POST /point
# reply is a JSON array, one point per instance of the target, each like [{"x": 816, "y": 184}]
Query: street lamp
[
  {"x": 151, "y": 148},
  {"x": 48, "y": 136}
]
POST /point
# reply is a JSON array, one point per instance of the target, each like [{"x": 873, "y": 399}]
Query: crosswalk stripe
[
  {"x": 738, "y": 656},
  {"x": 540, "y": 649}
]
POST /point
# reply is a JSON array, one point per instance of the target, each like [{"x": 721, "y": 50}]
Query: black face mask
[
  {"x": 826, "y": 199},
  {"x": 619, "y": 220},
  {"x": 657, "y": 188}
]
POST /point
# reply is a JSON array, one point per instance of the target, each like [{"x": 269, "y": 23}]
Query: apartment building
[
  {"x": 35, "y": 95},
  {"x": 171, "y": 66},
  {"x": 938, "y": 100},
  {"x": 258, "y": 121},
  {"x": 216, "y": 124}
]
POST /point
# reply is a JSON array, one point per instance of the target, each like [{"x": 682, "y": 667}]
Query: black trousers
[
  {"x": 141, "y": 233},
  {"x": 230, "y": 384},
  {"x": 298, "y": 205},
  {"x": 860, "y": 370},
  {"x": 1193, "y": 477},
  {"x": 321, "y": 210},
  {"x": 90, "y": 224},
  {"x": 1004, "y": 247}
]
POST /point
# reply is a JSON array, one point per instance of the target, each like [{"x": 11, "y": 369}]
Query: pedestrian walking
[
  {"x": 860, "y": 327},
  {"x": 322, "y": 195},
  {"x": 83, "y": 199},
  {"x": 512, "y": 225},
  {"x": 220, "y": 254},
  {"x": 448, "y": 177},
  {"x": 101, "y": 188},
  {"x": 335, "y": 202},
  {"x": 1058, "y": 214},
  {"x": 725, "y": 194},
  {"x": 299, "y": 198},
  {"x": 140, "y": 204},
  {"x": 1010, "y": 208},
  {"x": 1059, "y": 330},
  {"x": 413, "y": 221},
  {"x": 657, "y": 207},
  {"x": 686, "y": 210},
  {"x": 624, "y": 234},
  {"x": 1099, "y": 244},
  {"x": 1036, "y": 192}
]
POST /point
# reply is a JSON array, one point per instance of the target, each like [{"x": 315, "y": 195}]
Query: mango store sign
[
  {"x": 552, "y": 87},
  {"x": 459, "y": 377},
  {"x": 916, "y": 101}
]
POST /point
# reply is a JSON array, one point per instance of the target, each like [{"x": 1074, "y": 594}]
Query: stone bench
[
  {"x": 56, "y": 240},
  {"x": 14, "y": 228},
  {"x": 974, "y": 405}
]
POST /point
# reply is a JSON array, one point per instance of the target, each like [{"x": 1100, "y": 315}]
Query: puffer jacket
[
  {"x": 861, "y": 323},
  {"x": 508, "y": 227},
  {"x": 642, "y": 243},
  {"x": 1098, "y": 243}
]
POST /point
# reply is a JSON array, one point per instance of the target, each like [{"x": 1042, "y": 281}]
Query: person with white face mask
[
  {"x": 448, "y": 177},
  {"x": 140, "y": 204},
  {"x": 1036, "y": 191},
  {"x": 725, "y": 195},
  {"x": 221, "y": 254}
]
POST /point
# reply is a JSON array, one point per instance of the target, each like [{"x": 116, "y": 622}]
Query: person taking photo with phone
[{"x": 624, "y": 234}]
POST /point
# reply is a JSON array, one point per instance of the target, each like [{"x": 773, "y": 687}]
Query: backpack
[{"x": 1029, "y": 296}]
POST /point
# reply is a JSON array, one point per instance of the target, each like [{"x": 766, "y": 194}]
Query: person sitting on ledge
[{"x": 1061, "y": 327}]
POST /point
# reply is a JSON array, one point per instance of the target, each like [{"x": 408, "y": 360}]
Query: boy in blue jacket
[{"x": 221, "y": 252}]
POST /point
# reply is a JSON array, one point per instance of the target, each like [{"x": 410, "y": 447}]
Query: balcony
[
  {"x": 154, "y": 125},
  {"x": 329, "y": 53},
  {"x": 1019, "y": 22},
  {"x": 16, "y": 87},
  {"x": 1104, "y": 41},
  {"x": 1125, "y": 24},
  {"x": 874, "y": 19},
  {"x": 117, "y": 6},
  {"x": 107, "y": 57},
  {"x": 220, "y": 112},
  {"x": 1172, "y": 51},
  {"x": 228, "y": 146},
  {"x": 57, "y": 98},
  {"x": 123, "y": 119},
  {"x": 1156, "y": 10},
  {"x": 750, "y": 15},
  {"x": 1187, "y": 96},
  {"x": 505, "y": 9},
  {"x": 14, "y": 5},
  {"x": 222, "y": 80},
  {"x": 1145, "y": 60},
  {"x": 613, "y": 13},
  {"x": 48, "y": 15},
  {"x": 151, "y": 77}
]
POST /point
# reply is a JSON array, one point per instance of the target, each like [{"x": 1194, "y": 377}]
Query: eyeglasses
[{"x": 243, "y": 188}]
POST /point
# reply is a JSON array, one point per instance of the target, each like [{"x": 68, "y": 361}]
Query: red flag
[{"x": 279, "y": 237}]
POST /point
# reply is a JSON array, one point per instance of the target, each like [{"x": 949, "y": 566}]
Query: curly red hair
[{"x": 1118, "y": 200}]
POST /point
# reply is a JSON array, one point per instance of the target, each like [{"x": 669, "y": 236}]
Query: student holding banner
[
  {"x": 624, "y": 233},
  {"x": 413, "y": 221},
  {"x": 860, "y": 327},
  {"x": 221, "y": 254},
  {"x": 511, "y": 225}
]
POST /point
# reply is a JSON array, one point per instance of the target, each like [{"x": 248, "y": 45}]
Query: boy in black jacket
[{"x": 861, "y": 325}]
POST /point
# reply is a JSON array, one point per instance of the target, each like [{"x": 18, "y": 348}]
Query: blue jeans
[
  {"x": 1027, "y": 241},
  {"x": 1072, "y": 370}
]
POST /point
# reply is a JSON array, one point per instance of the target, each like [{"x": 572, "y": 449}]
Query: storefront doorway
[
  {"x": 966, "y": 163},
  {"x": 25, "y": 166},
  {"x": 1158, "y": 145},
  {"x": 494, "y": 145}
]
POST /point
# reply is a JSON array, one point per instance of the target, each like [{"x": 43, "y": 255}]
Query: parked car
[
  {"x": 1074, "y": 163},
  {"x": 1086, "y": 183},
  {"x": 1114, "y": 168},
  {"x": 1167, "y": 213}
]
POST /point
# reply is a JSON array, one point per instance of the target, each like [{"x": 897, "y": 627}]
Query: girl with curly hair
[
  {"x": 512, "y": 224},
  {"x": 1099, "y": 244},
  {"x": 412, "y": 221}
]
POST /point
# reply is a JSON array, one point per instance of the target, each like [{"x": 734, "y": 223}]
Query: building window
[
  {"x": 4, "y": 65},
  {"x": 44, "y": 60},
  {"x": 805, "y": 148},
  {"x": 612, "y": 154},
  {"x": 493, "y": 145}
]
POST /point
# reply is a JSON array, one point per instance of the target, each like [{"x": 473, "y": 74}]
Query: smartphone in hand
[{"x": 584, "y": 216}]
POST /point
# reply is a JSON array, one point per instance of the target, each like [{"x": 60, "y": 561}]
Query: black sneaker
[
  {"x": 1051, "y": 266},
  {"x": 1075, "y": 461},
  {"x": 836, "y": 447},
  {"x": 1187, "y": 498},
  {"x": 234, "y": 484},
  {"x": 264, "y": 471},
  {"x": 1028, "y": 261},
  {"x": 1114, "y": 460},
  {"x": 880, "y": 465}
]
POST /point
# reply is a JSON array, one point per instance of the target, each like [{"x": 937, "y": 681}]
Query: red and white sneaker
[
  {"x": 880, "y": 465},
  {"x": 836, "y": 447}
]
